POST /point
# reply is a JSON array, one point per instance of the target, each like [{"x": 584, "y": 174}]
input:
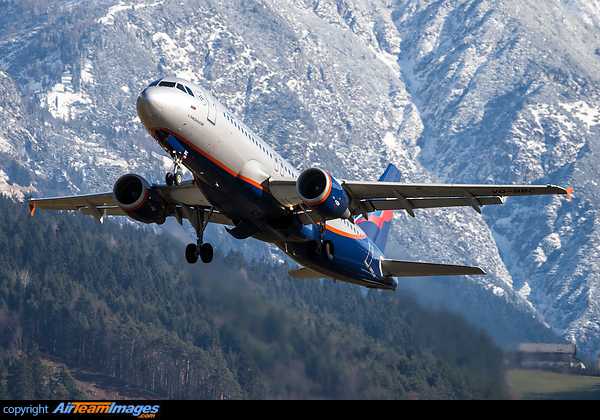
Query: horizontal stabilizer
[
  {"x": 398, "y": 268},
  {"x": 305, "y": 273}
]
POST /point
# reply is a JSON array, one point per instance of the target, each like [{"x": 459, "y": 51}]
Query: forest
[{"x": 121, "y": 300}]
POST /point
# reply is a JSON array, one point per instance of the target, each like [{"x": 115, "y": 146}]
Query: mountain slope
[
  {"x": 516, "y": 94},
  {"x": 451, "y": 91}
]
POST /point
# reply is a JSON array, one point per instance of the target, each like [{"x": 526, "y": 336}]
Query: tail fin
[{"x": 377, "y": 226}]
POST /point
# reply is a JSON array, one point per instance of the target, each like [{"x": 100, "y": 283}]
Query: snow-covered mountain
[{"x": 459, "y": 91}]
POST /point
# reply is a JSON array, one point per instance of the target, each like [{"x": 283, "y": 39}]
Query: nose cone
[{"x": 149, "y": 106}]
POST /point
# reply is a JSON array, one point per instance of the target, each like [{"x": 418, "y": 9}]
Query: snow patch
[
  {"x": 588, "y": 115},
  {"x": 15, "y": 190},
  {"x": 86, "y": 72},
  {"x": 525, "y": 291},
  {"x": 109, "y": 18},
  {"x": 62, "y": 100},
  {"x": 6, "y": 146},
  {"x": 390, "y": 140}
]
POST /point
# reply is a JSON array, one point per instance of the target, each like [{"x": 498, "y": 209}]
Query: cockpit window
[{"x": 164, "y": 83}]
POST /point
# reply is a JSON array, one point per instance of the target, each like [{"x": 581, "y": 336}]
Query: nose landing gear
[
  {"x": 177, "y": 152},
  {"x": 175, "y": 177}
]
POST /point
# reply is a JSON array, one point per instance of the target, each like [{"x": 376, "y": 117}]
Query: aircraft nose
[{"x": 149, "y": 105}]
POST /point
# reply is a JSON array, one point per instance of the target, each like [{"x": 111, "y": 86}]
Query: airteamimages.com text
[{"x": 83, "y": 407}]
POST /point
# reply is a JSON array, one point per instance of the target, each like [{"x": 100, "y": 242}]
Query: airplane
[{"x": 332, "y": 228}]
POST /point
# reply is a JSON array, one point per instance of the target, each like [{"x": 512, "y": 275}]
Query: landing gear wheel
[
  {"x": 328, "y": 250},
  {"x": 177, "y": 178},
  {"x": 191, "y": 254},
  {"x": 170, "y": 178},
  {"x": 206, "y": 253},
  {"x": 312, "y": 249}
]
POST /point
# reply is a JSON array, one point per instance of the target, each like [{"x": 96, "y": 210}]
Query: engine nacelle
[
  {"x": 139, "y": 200},
  {"x": 322, "y": 193}
]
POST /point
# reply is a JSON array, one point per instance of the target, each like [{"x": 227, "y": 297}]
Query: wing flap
[
  {"x": 187, "y": 193},
  {"x": 397, "y": 268},
  {"x": 426, "y": 203},
  {"x": 106, "y": 211}
]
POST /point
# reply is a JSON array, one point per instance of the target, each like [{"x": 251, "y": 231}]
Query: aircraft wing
[
  {"x": 181, "y": 200},
  {"x": 371, "y": 196},
  {"x": 97, "y": 205},
  {"x": 367, "y": 196}
]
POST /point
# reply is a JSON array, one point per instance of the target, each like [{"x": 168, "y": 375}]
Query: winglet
[
  {"x": 569, "y": 191},
  {"x": 32, "y": 207}
]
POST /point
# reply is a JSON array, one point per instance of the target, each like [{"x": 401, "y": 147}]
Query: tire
[
  {"x": 328, "y": 250},
  {"x": 206, "y": 253},
  {"x": 190, "y": 253},
  {"x": 169, "y": 178},
  {"x": 178, "y": 178},
  {"x": 312, "y": 250}
]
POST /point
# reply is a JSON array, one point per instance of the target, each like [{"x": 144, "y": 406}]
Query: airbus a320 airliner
[{"x": 333, "y": 228}]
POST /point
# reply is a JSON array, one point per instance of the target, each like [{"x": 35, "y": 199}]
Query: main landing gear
[
  {"x": 315, "y": 249},
  {"x": 205, "y": 251},
  {"x": 321, "y": 247}
]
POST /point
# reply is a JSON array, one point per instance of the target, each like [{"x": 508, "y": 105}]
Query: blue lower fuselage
[{"x": 356, "y": 256}]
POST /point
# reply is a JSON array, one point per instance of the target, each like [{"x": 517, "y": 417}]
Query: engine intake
[
  {"x": 139, "y": 200},
  {"x": 321, "y": 192}
]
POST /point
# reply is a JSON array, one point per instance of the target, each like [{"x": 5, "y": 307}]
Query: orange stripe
[
  {"x": 328, "y": 191},
  {"x": 346, "y": 234},
  {"x": 252, "y": 182},
  {"x": 216, "y": 162}
]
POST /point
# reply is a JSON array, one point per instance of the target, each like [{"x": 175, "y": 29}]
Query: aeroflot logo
[{"x": 94, "y": 407}]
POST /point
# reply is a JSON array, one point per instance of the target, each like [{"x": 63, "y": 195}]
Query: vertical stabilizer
[{"x": 377, "y": 226}]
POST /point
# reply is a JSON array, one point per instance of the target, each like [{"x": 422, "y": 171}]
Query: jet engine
[
  {"x": 322, "y": 193},
  {"x": 139, "y": 200}
]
